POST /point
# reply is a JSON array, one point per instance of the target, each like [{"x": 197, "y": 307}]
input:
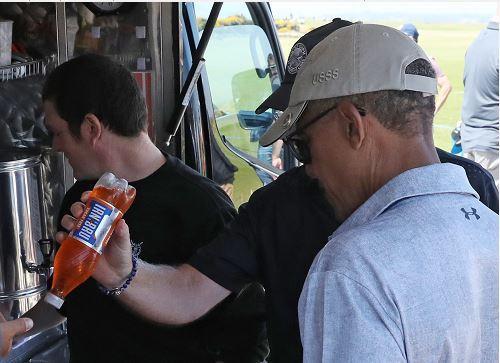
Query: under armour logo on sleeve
[{"x": 468, "y": 214}]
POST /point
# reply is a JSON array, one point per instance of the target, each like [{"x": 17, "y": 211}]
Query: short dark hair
[
  {"x": 408, "y": 113},
  {"x": 95, "y": 84}
]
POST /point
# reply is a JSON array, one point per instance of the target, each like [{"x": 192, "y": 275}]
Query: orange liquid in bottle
[{"x": 75, "y": 261}]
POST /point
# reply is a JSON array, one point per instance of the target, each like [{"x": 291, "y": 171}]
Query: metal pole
[{"x": 194, "y": 73}]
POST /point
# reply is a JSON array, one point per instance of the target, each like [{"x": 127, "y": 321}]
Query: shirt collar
[
  {"x": 493, "y": 25},
  {"x": 426, "y": 180}
]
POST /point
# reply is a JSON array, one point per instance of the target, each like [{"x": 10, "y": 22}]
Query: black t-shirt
[
  {"x": 175, "y": 211},
  {"x": 275, "y": 239}
]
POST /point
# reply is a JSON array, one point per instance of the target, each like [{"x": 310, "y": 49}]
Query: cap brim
[
  {"x": 278, "y": 100},
  {"x": 283, "y": 125}
]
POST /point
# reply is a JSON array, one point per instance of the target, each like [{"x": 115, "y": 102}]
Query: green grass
[
  {"x": 447, "y": 43},
  {"x": 245, "y": 179}
]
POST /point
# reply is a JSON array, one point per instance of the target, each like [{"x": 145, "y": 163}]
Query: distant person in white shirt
[{"x": 479, "y": 131}]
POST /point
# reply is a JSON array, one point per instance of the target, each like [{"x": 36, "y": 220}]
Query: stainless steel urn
[{"x": 22, "y": 226}]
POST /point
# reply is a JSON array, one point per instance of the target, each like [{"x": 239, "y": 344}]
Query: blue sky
[
  {"x": 370, "y": 10},
  {"x": 423, "y": 11}
]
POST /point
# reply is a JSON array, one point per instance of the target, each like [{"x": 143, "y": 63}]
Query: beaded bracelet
[{"x": 136, "y": 250}]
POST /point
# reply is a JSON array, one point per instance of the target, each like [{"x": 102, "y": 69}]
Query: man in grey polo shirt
[
  {"x": 479, "y": 131},
  {"x": 412, "y": 273}
]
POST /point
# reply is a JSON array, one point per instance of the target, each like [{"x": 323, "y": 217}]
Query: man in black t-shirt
[
  {"x": 101, "y": 126},
  {"x": 273, "y": 240}
]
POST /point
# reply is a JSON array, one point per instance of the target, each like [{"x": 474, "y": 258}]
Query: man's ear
[
  {"x": 91, "y": 128},
  {"x": 354, "y": 125}
]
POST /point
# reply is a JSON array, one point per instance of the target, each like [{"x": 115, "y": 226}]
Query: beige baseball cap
[{"x": 356, "y": 59}]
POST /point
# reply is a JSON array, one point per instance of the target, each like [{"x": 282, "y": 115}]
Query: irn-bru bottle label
[{"x": 95, "y": 224}]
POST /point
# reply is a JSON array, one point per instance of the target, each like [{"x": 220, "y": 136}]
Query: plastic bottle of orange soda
[{"x": 76, "y": 258}]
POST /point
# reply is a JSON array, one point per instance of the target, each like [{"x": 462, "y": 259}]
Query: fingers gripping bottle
[{"x": 76, "y": 258}]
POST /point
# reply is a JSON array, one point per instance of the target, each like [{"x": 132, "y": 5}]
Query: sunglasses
[{"x": 298, "y": 141}]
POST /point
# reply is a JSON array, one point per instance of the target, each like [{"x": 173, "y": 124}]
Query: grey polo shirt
[
  {"x": 411, "y": 275},
  {"x": 479, "y": 129}
]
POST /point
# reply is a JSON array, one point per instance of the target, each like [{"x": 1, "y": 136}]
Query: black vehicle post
[{"x": 194, "y": 73}]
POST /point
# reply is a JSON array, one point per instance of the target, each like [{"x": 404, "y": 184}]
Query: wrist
[
  {"x": 119, "y": 277},
  {"x": 117, "y": 288}
]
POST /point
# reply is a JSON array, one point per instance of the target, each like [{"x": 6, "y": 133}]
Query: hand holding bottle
[
  {"x": 115, "y": 262},
  {"x": 76, "y": 259}
]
